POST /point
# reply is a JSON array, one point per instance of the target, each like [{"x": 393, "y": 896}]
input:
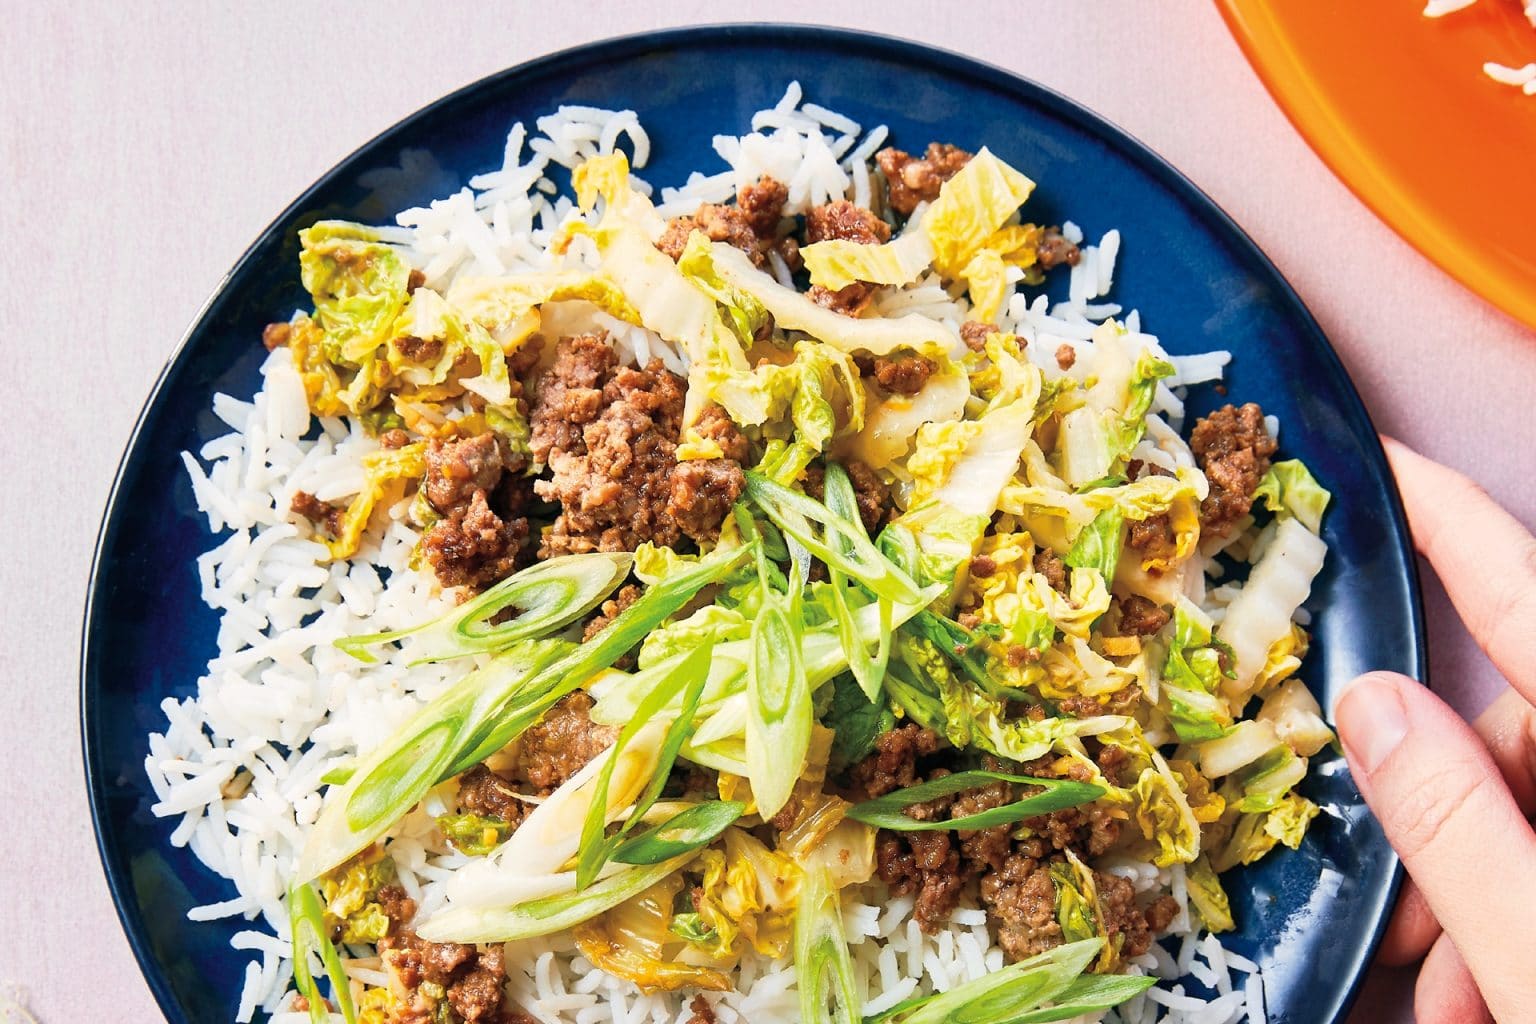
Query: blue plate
[{"x": 1311, "y": 918}]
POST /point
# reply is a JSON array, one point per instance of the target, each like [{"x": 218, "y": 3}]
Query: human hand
[{"x": 1453, "y": 799}]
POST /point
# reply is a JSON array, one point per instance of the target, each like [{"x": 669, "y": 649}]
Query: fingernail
[{"x": 1372, "y": 721}]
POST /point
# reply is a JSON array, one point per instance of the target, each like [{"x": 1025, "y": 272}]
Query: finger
[
  {"x": 1482, "y": 554},
  {"x": 1444, "y": 807},
  {"x": 1446, "y": 992},
  {"x": 1412, "y": 931},
  {"x": 1508, "y": 727}
]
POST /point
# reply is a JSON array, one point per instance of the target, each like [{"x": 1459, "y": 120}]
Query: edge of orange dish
[{"x": 1399, "y": 108}]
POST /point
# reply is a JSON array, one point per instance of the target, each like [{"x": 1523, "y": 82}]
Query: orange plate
[{"x": 1398, "y": 105}]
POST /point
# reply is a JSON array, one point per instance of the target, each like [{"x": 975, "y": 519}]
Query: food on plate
[{"x": 756, "y": 600}]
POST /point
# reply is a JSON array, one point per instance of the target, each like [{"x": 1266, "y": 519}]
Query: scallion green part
[
  {"x": 1057, "y": 795},
  {"x": 1002, "y": 997},
  {"x": 687, "y": 677},
  {"x": 306, "y": 920},
  {"x": 830, "y": 538},
  {"x": 823, "y": 965},
  {"x": 686, "y": 831},
  {"x": 546, "y": 596}
]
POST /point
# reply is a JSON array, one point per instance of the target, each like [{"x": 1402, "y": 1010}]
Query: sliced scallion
[
  {"x": 688, "y": 677},
  {"x": 1058, "y": 794},
  {"x": 868, "y": 669},
  {"x": 814, "y": 525},
  {"x": 546, "y": 596},
  {"x": 306, "y": 920},
  {"x": 684, "y": 832},
  {"x": 1001, "y": 997},
  {"x": 822, "y": 961}
]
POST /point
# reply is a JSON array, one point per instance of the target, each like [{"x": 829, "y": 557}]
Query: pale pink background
[{"x": 145, "y": 145}]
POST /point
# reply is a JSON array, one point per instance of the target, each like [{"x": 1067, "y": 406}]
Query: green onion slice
[
  {"x": 306, "y": 919},
  {"x": 547, "y": 596},
  {"x": 686, "y": 831},
  {"x": 886, "y": 811}
]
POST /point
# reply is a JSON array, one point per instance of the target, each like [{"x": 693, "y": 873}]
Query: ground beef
[
  {"x": 702, "y": 1012},
  {"x": 394, "y": 438},
  {"x": 609, "y": 436},
  {"x": 974, "y": 334},
  {"x": 1084, "y": 830},
  {"x": 627, "y": 595},
  {"x": 850, "y": 300},
  {"x": 871, "y": 494},
  {"x": 481, "y": 493},
  {"x": 476, "y": 547},
  {"x": 703, "y": 490},
  {"x": 841, "y": 219},
  {"x": 1113, "y": 761},
  {"x": 1120, "y": 915},
  {"x": 426, "y": 351},
  {"x": 1153, "y": 537},
  {"x": 1066, "y": 356},
  {"x": 484, "y": 792},
  {"x": 473, "y": 980},
  {"x": 910, "y": 180},
  {"x": 563, "y": 742},
  {"x": 1140, "y": 616},
  {"x": 1054, "y": 250},
  {"x": 1050, "y": 565},
  {"x": 1233, "y": 448},
  {"x": 893, "y": 763},
  {"x": 569, "y": 395},
  {"x": 924, "y": 865},
  {"x": 984, "y": 848},
  {"x": 715, "y": 424},
  {"x": 750, "y": 225},
  {"x": 323, "y": 515},
  {"x": 904, "y": 373},
  {"x": 1020, "y": 898}
]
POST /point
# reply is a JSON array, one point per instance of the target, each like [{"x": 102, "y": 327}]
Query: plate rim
[{"x": 950, "y": 63}]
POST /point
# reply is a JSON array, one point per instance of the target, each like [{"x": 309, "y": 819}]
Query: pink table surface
[{"x": 144, "y": 145}]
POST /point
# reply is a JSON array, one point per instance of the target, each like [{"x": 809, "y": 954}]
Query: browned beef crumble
[
  {"x": 1020, "y": 898},
  {"x": 751, "y": 225},
  {"x": 1012, "y": 875},
  {"x": 323, "y": 515},
  {"x": 1153, "y": 537},
  {"x": 1066, "y": 356},
  {"x": 472, "y": 979},
  {"x": 1140, "y": 616},
  {"x": 974, "y": 334},
  {"x": 910, "y": 180},
  {"x": 490, "y": 795},
  {"x": 608, "y": 434},
  {"x": 627, "y": 595},
  {"x": 482, "y": 494},
  {"x": 905, "y": 373},
  {"x": 419, "y": 350},
  {"x": 843, "y": 220},
  {"x": 871, "y": 494},
  {"x": 1054, "y": 250},
  {"x": 394, "y": 438},
  {"x": 1050, "y": 565},
  {"x": 1233, "y": 448},
  {"x": 563, "y": 742}
]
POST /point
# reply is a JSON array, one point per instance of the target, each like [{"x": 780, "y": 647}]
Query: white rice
[
  {"x": 279, "y": 706},
  {"x": 1522, "y": 78}
]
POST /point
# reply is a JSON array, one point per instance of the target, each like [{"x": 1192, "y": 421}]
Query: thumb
[{"x": 1445, "y": 809}]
